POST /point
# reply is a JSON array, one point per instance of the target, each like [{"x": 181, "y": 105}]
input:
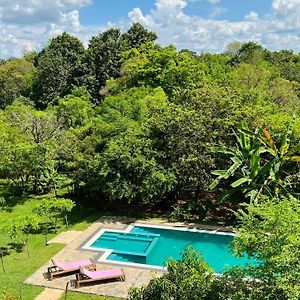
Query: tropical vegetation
[{"x": 128, "y": 123}]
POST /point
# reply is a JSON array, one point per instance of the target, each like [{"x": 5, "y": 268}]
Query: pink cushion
[
  {"x": 73, "y": 265},
  {"x": 110, "y": 273}
]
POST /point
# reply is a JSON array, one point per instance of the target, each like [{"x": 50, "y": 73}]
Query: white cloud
[
  {"x": 76, "y": 3},
  {"x": 27, "y": 25},
  {"x": 218, "y": 11},
  {"x": 173, "y": 25},
  {"x": 136, "y": 15},
  {"x": 252, "y": 16},
  {"x": 214, "y": 1}
]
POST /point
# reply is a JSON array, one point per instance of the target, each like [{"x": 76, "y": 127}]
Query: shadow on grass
[
  {"x": 4, "y": 251},
  {"x": 18, "y": 247}
]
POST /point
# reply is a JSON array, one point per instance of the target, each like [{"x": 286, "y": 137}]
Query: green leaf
[
  {"x": 286, "y": 139},
  {"x": 232, "y": 169},
  {"x": 255, "y": 163},
  {"x": 222, "y": 150},
  {"x": 294, "y": 150},
  {"x": 295, "y": 158},
  {"x": 240, "y": 182},
  {"x": 215, "y": 183},
  {"x": 218, "y": 172}
]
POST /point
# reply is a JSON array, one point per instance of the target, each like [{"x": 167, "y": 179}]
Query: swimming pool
[{"x": 151, "y": 246}]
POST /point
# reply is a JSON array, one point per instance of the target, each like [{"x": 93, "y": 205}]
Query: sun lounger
[
  {"x": 87, "y": 276},
  {"x": 59, "y": 268}
]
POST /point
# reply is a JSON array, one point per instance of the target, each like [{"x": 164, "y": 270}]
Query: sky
[{"x": 199, "y": 25}]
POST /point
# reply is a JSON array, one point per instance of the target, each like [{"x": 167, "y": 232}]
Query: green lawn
[{"x": 17, "y": 265}]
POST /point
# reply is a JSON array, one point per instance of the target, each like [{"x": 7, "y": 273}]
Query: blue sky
[
  {"x": 200, "y": 25},
  {"x": 102, "y": 11}
]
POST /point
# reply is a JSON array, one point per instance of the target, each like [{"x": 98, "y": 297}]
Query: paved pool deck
[{"x": 74, "y": 240}]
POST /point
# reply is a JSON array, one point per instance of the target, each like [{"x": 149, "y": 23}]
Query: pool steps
[{"x": 143, "y": 237}]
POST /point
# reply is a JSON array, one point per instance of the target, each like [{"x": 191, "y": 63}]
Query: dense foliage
[
  {"x": 128, "y": 122},
  {"x": 259, "y": 165},
  {"x": 134, "y": 122}
]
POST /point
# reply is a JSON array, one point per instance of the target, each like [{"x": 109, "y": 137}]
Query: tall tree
[
  {"x": 249, "y": 52},
  {"x": 104, "y": 55},
  {"x": 15, "y": 80},
  {"x": 103, "y": 59},
  {"x": 59, "y": 67},
  {"x": 29, "y": 147},
  {"x": 138, "y": 35}
]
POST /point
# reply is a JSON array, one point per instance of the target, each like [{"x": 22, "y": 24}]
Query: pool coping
[{"x": 105, "y": 252}]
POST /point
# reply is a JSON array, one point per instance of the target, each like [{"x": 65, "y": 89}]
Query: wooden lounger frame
[
  {"x": 82, "y": 278},
  {"x": 56, "y": 271}
]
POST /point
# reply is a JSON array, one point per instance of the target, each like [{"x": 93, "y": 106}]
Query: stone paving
[
  {"x": 50, "y": 294},
  {"x": 65, "y": 237},
  {"x": 135, "y": 277}
]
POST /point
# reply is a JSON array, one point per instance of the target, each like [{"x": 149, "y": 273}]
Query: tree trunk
[
  {"x": 2, "y": 262},
  {"x": 26, "y": 245},
  {"x": 66, "y": 219},
  {"x": 46, "y": 236}
]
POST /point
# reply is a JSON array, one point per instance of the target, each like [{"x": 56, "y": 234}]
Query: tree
[
  {"x": 2, "y": 203},
  {"x": 138, "y": 35},
  {"x": 118, "y": 158},
  {"x": 249, "y": 52},
  {"x": 183, "y": 132},
  {"x": 151, "y": 65},
  {"x": 258, "y": 165},
  {"x": 189, "y": 279},
  {"x": 103, "y": 59},
  {"x": 59, "y": 67},
  {"x": 15, "y": 80},
  {"x": 75, "y": 109},
  {"x": 104, "y": 55},
  {"x": 54, "y": 209},
  {"x": 130, "y": 169},
  {"x": 29, "y": 147},
  {"x": 22, "y": 226},
  {"x": 269, "y": 231},
  {"x": 234, "y": 48}
]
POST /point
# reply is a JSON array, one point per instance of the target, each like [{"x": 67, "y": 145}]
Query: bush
[{"x": 188, "y": 279}]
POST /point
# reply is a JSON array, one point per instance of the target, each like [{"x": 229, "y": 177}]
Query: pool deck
[{"x": 74, "y": 240}]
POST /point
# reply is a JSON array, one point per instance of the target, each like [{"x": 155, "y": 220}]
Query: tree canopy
[{"x": 125, "y": 121}]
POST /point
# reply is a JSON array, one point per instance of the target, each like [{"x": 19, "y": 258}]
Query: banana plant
[{"x": 258, "y": 165}]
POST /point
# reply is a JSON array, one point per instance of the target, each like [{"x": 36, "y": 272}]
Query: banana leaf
[
  {"x": 286, "y": 139},
  {"x": 295, "y": 158},
  {"x": 255, "y": 164},
  {"x": 229, "y": 172},
  {"x": 218, "y": 172},
  {"x": 221, "y": 150},
  {"x": 240, "y": 182}
]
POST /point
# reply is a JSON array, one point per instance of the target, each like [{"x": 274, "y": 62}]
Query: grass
[{"x": 17, "y": 265}]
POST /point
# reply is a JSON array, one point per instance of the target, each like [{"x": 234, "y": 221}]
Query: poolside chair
[
  {"x": 87, "y": 276},
  {"x": 59, "y": 269}
]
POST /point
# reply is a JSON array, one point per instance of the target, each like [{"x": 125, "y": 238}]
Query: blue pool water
[{"x": 153, "y": 246}]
